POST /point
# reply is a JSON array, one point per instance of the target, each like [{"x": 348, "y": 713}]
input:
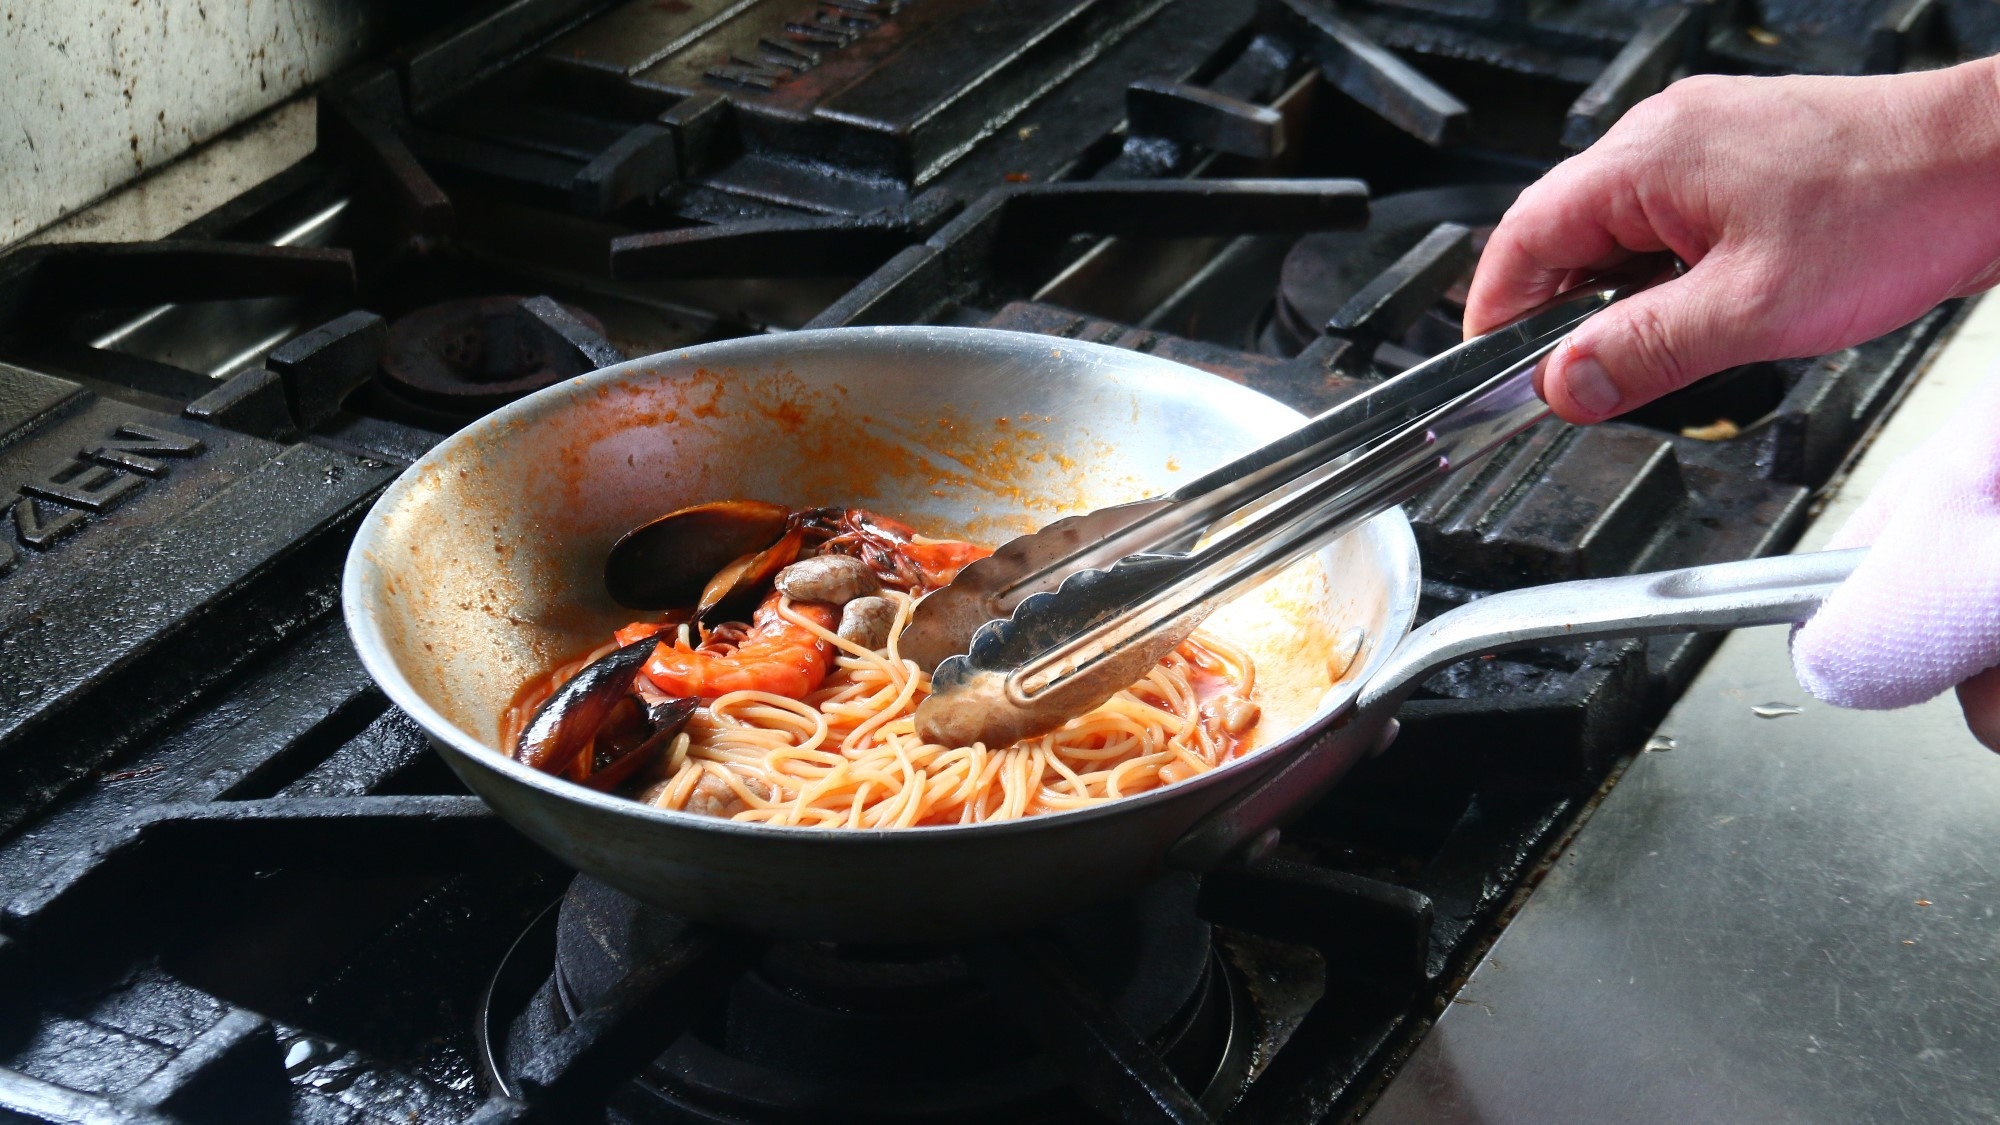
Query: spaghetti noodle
[{"x": 848, "y": 755}]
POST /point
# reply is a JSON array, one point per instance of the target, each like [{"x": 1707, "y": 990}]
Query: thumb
[{"x": 1648, "y": 344}]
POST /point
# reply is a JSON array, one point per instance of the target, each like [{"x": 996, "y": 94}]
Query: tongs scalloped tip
[{"x": 980, "y": 695}]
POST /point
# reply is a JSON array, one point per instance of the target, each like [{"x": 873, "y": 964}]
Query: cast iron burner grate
[
  {"x": 1349, "y": 281},
  {"x": 813, "y": 1031}
]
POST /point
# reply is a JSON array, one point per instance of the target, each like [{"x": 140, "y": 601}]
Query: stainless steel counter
[{"x": 1780, "y": 919}]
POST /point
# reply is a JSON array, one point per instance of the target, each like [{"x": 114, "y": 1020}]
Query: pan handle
[{"x": 1772, "y": 591}]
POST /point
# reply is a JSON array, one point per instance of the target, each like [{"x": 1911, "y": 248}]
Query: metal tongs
[{"x": 1057, "y": 622}]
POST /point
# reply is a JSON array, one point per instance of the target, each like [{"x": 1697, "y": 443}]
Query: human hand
[
  {"x": 1922, "y": 611},
  {"x": 1815, "y": 213}
]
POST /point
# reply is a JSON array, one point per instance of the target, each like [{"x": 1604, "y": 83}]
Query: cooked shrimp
[
  {"x": 775, "y": 655},
  {"x": 900, "y": 557},
  {"x": 940, "y": 560}
]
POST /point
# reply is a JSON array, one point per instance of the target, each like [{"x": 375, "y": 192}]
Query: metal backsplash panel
[{"x": 94, "y": 93}]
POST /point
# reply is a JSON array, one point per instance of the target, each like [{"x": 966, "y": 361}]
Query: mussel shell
[
  {"x": 742, "y": 582},
  {"x": 569, "y": 719},
  {"x": 666, "y": 720},
  {"x": 668, "y": 561}
]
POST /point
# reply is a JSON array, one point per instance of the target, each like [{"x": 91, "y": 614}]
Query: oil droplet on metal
[
  {"x": 1660, "y": 743},
  {"x": 1776, "y": 710}
]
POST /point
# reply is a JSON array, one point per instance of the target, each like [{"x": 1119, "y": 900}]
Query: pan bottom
[{"x": 1005, "y": 1028}]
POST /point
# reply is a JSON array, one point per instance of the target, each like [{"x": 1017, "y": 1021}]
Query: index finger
[{"x": 1559, "y": 229}]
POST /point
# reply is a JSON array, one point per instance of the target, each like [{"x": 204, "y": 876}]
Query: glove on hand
[{"x": 1922, "y": 611}]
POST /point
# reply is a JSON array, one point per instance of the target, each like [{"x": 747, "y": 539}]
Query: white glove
[{"x": 1922, "y": 611}]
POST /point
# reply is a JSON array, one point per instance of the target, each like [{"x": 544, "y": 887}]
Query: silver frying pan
[{"x": 481, "y": 567}]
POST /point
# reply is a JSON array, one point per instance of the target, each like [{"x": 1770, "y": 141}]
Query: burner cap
[
  {"x": 479, "y": 353},
  {"x": 1323, "y": 270}
]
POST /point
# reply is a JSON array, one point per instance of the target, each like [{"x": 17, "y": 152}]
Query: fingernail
[{"x": 1590, "y": 385}]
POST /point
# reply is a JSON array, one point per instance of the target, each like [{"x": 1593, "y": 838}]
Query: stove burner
[
  {"x": 904, "y": 1034},
  {"x": 1323, "y": 270},
  {"x": 470, "y": 356}
]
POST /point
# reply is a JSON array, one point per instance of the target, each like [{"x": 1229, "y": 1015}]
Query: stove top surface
[{"x": 234, "y": 883}]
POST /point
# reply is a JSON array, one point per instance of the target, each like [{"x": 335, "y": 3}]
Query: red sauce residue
[
  {"x": 788, "y": 416},
  {"x": 830, "y": 454},
  {"x": 707, "y": 408}
]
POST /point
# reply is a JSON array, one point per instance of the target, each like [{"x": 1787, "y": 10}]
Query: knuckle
[
  {"x": 1541, "y": 221},
  {"x": 1698, "y": 92},
  {"x": 1541, "y": 197},
  {"x": 1696, "y": 87},
  {"x": 1687, "y": 104}
]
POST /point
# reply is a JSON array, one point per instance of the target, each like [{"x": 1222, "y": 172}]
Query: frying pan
[{"x": 480, "y": 567}]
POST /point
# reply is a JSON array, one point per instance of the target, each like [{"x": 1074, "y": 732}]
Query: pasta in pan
[{"x": 846, "y": 752}]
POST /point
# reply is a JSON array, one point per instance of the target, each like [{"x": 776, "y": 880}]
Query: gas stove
[{"x": 237, "y": 884}]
